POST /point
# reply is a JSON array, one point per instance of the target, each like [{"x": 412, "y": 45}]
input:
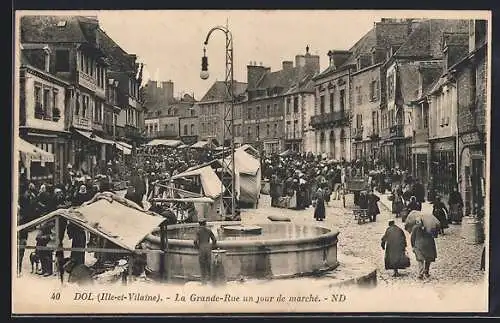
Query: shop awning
[
  {"x": 125, "y": 150},
  {"x": 124, "y": 144},
  {"x": 30, "y": 152},
  {"x": 95, "y": 138},
  {"x": 164, "y": 142}
]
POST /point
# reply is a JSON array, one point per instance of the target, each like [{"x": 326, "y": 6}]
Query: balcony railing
[
  {"x": 328, "y": 119},
  {"x": 82, "y": 123},
  {"x": 357, "y": 133},
  {"x": 396, "y": 131}
]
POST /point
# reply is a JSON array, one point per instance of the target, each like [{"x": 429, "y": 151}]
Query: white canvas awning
[
  {"x": 30, "y": 152},
  {"x": 95, "y": 138},
  {"x": 122, "y": 225},
  {"x": 209, "y": 180},
  {"x": 124, "y": 144},
  {"x": 164, "y": 142},
  {"x": 200, "y": 144},
  {"x": 125, "y": 150}
]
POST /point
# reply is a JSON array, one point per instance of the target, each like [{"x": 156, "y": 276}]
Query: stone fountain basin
[{"x": 283, "y": 250}]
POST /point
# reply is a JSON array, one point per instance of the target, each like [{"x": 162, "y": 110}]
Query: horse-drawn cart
[{"x": 356, "y": 185}]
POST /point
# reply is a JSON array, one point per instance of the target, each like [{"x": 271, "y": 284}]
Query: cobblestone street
[{"x": 457, "y": 261}]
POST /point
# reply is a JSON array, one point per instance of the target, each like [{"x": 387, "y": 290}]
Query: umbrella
[{"x": 429, "y": 221}]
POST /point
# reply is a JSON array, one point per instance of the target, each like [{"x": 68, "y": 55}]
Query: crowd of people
[{"x": 308, "y": 180}]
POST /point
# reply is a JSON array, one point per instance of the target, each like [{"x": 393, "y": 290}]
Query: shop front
[
  {"x": 91, "y": 152},
  {"x": 420, "y": 154},
  {"x": 55, "y": 143},
  {"x": 443, "y": 166},
  {"x": 472, "y": 178},
  {"x": 35, "y": 164}
]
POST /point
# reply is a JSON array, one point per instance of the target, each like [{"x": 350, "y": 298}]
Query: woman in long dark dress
[
  {"x": 439, "y": 211},
  {"x": 456, "y": 206},
  {"x": 319, "y": 210},
  {"x": 373, "y": 209}
]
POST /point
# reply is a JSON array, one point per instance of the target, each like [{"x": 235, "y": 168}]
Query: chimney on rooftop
[
  {"x": 255, "y": 73},
  {"x": 168, "y": 90},
  {"x": 286, "y": 65}
]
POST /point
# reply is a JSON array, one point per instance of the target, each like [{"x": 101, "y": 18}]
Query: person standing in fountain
[{"x": 202, "y": 243}]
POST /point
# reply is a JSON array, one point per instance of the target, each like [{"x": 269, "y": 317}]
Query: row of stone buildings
[
  {"x": 410, "y": 94},
  {"x": 78, "y": 95}
]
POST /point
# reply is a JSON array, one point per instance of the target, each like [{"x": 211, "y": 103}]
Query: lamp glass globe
[{"x": 204, "y": 75}]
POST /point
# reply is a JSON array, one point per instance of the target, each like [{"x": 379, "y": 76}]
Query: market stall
[
  {"x": 33, "y": 161},
  {"x": 117, "y": 223},
  {"x": 210, "y": 186}
]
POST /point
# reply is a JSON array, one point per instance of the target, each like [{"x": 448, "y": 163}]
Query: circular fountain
[{"x": 268, "y": 250}]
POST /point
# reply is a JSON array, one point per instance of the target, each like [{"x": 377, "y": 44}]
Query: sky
[{"x": 170, "y": 43}]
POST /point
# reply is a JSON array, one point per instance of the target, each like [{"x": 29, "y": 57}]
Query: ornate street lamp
[{"x": 228, "y": 177}]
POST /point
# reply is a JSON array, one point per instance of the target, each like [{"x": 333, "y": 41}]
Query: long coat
[
  {"x": 394, "y": 243},
  {"x": 423, "y": 244},
  {"x": 439, "y": 211},
  {"x": 319, "y": 210},
  {"x": 372, "y": 204}
]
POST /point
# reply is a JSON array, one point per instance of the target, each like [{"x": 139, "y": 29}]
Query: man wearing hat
[{"x": 202, "y": 243}]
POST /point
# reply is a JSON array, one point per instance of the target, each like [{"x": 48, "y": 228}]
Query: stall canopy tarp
[
  {"x": 124, "y": 226},
  {"x": 30, "y": 152},
  {"x": 95, "y": 138},
  {"x": 250, "y": 150},
  {"x": 183, "y": 146},
  {"x": 209, "y": 180},
  {"x": 200, "y": 144},
  {"x": 165, "y": 142}
]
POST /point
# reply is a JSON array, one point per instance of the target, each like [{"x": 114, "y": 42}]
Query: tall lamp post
[{"x": 228, "y": 177}]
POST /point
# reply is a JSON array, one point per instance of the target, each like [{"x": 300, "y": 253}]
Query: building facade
[
  {"x": 167, "y": 116},
  {"x": 299, "y": 107},
  {"x": 188, "y": 125},
  {"x": 365, "y": 123},
  {"x": 470, "y": 75},
  {"x": 274, "y": 118},
  {"x": 212, "y": 107},
  {"x": 42, "y": 113},
  {"x": 403, "y": 85},
  {"x": 81, "y": 54},
  {"x": 350, "y": 94}
]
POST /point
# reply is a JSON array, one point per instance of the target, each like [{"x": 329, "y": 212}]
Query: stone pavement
[{"x": 457, "y": 262}]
